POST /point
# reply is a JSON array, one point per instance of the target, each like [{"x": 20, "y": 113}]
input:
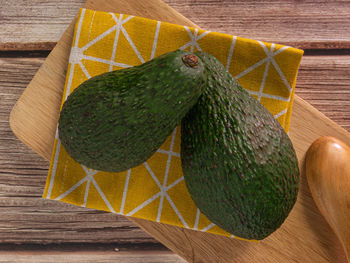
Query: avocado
[
  {"x": 239, "y": 164},
  {"x": 117, "y": 120}
]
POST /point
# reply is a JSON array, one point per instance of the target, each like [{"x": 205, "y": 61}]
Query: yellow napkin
[{"x": 156, "y": 189}]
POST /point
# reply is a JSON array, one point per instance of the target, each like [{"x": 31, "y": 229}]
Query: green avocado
[
  {"x": 117, "y": 120},
  {"x": 239, "y": 165}
]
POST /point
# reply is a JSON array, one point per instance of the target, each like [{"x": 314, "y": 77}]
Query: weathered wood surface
[
  {"x": 90, "y": 253},
  {"x": 90, "y": 256},
  {"x": 35, "y": 25},
  {"x": 324, "y": 82},
  {"x": 305, "y": 24}
]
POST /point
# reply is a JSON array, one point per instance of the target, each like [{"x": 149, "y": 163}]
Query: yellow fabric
[{"x": 156, "y": 189}]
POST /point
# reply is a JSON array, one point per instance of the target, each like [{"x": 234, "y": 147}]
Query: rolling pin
[{"x": 327, "y": 169}]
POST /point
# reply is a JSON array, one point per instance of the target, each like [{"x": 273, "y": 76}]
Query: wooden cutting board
[{"x": 304, "y": 237}]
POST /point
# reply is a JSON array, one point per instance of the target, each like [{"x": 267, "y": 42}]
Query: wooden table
[{"x": 44, "y": 229}]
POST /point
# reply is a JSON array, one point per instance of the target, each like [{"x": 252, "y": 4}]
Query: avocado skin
[
  {"x": 239, "y": 165},
  {"x": 117, "y": 120}
]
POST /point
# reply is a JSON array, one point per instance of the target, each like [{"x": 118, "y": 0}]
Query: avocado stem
[{"x": 190, "y": 60}]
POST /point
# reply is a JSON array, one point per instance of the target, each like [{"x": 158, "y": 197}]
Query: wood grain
[
  {"x": 35, "y": 25},
  {"x": 304, "y": 237},
  {"x": 91, "y": 256},
  {"x": 302, "y": 24},
  {"x": 305, "y": 24},
  {"x": 324, "y": 82}
]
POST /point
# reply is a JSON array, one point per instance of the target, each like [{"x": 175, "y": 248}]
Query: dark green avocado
[
  {"x": 239, "y": 165},
  {"x": 117, "y": 120}
]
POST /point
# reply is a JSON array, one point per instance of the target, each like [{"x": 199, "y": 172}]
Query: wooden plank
[
  {"x": 324, "y": 82},
  {"x": 302, "y": 24},
  {"x": 35, "y": 25},
  {"x": 24, "y": 217},
  {"x": 305, "y": 24},
  {"x": 90, "y": 256}
]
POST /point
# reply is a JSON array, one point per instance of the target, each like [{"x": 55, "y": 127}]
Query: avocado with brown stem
[
  {"x": 117, "y": 120},
  {"x": 239, "y": 164}
]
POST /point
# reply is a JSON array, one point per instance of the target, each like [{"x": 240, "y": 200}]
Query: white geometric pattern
[
  {"x": 75, "y": 59},
  {"x": 194, "y": 38},
  {"x": 234, "y": 38},
  {"x": 268, "y": 60},
  {"x": 164, "y": 188}
]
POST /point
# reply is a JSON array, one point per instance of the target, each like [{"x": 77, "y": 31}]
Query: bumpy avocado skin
[
  {"x": 117, "y": 120},
  {"x": 239, "y": 165}
]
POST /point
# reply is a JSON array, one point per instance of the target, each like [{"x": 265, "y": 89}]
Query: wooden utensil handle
[{"x": 328, "y": 173}]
